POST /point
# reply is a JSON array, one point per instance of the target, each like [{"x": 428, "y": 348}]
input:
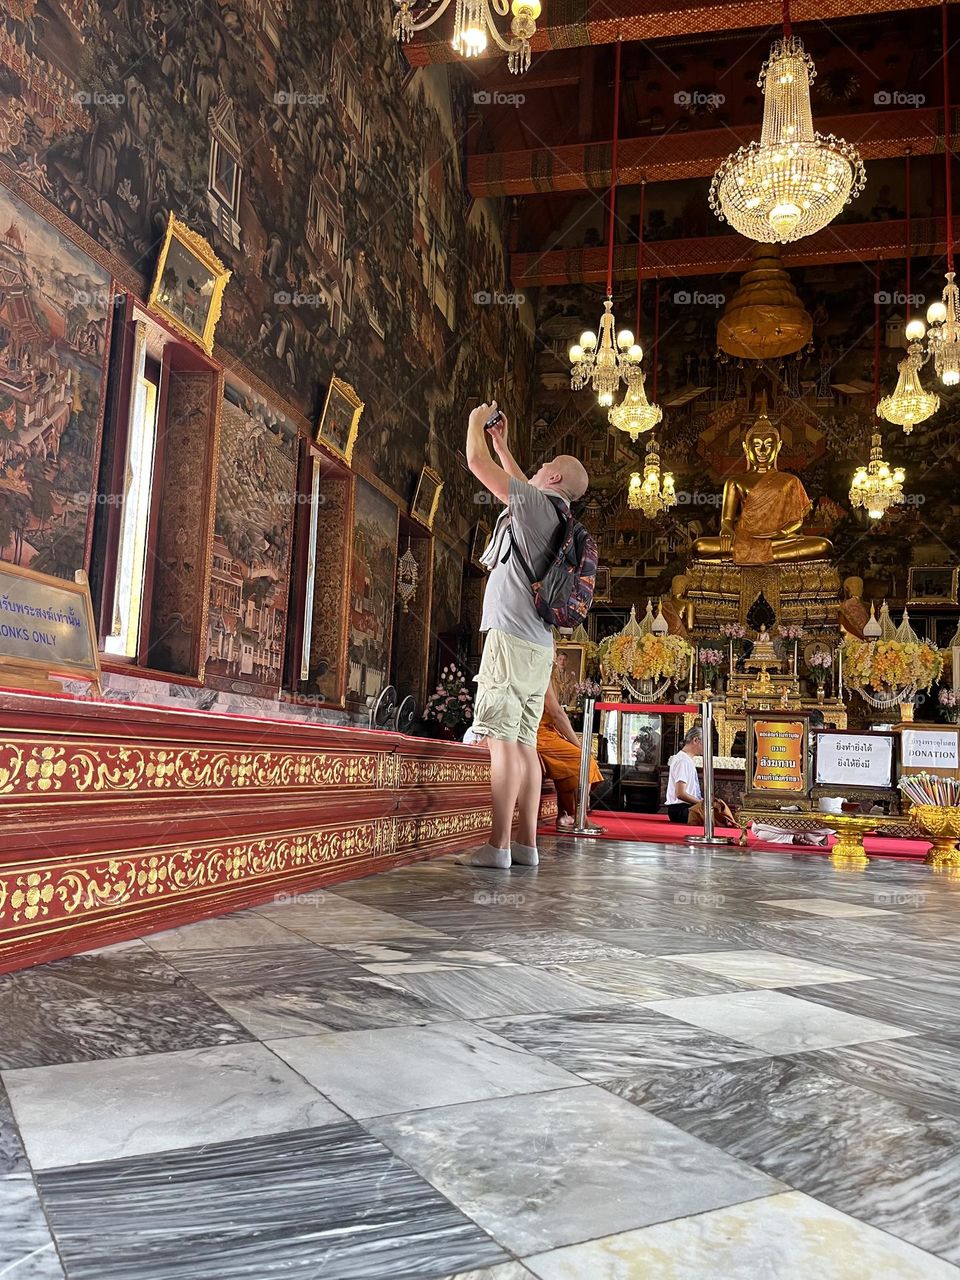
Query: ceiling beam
[
  {"x": 671, "y": 156},
  {"x": 714, "y": 255},
  {"x": 567, "y": 24}
]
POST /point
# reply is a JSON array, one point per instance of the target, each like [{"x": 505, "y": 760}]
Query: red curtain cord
[
  {"x": 613, "y": 166},
  {"x": 636, "y": 327},
  {"x": 656, "y": 337},
  {"x": 876, "y": 331},
  {"x": 947, "y": 158},
  {"x": 909, "y": 232},
  {"x": 787, "y": 27}
]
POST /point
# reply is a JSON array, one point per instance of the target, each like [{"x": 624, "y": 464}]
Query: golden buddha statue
[{"x": 763, "y": 509}]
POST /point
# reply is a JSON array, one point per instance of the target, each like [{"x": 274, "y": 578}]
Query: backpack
[{"x": 564, "y": 592}]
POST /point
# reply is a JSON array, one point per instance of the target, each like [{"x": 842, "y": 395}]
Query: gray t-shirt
[{"x": 508, "y": 601}]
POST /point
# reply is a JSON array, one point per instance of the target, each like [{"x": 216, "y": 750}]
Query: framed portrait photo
[
  {"x": 340, "y": 419},
  {"x": 426, "y": 500},
  {"x": 188, "y": 284},
  {"x": 570, "y": 668},
  {"x": 932, "y": 584}
]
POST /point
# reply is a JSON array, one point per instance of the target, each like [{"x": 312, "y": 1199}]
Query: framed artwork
[
  {"x": 601, "y": 591},
  {"x": 932, "y": 584},
  {"x": 427, "y": 498},
  {"x": 571, "y": 668},
  {"x": 478, "y": 541},
  {"x": 188, "y": 284},
  {"x": 373, "y": 572},
  {"x": 340, "y": 419}
]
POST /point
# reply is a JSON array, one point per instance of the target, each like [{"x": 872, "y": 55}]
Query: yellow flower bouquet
[
  {"x": 646, "y": 657},
  {"x": 894, "y": 669}
]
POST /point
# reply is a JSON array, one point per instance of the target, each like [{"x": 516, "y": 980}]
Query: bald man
[{"x": 518, "y": 650}]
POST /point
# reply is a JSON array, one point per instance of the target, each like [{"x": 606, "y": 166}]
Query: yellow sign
[
  {"x": 779, "y": 759},
  {"x": 46, "y": 629}
]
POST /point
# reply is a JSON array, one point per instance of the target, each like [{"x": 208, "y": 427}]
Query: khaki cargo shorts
[{"x": 513, "y": 679}]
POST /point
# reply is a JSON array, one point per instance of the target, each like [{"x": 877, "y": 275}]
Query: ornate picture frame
[
  {"x": 188, "y": 284},
  {"x": 427, "y": 497},
  {"x": 932, "y": 584},
  {"x": 570, "y": 670},
  {"x": 340, "y": 419}
]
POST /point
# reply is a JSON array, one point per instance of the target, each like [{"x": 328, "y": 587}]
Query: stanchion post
[
  {"x": 583, "y": 788},
  {"x": 706, "y": 723}
]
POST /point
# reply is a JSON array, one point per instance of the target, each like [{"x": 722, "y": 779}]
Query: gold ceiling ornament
[
  {"x": 794, "y": 181},
  {"x": 653, "y": 493},
  {"x": 474, "y": 23},
  {"x": 408, "y": 576},
  {"x": 765, "y": 318},
  {"x": 877, "y": 486},
  {"x": 909, "y": 403}
]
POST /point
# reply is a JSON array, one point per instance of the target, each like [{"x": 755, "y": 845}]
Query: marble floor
[{"x": 632, "y": 1062}]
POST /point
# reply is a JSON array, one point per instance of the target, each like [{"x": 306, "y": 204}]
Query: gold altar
[{"x": 805, "y": 593}]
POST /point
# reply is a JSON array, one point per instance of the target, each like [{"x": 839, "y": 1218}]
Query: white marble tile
[
  {"x": 222, "y": 932},
  {"x": 81, "y": 1112},
  {"x": 767, "y": 968},
  {"x": 372, "y": 1073},
  {"x": 26, "y": 1250},
  {"x": 549, "y": 1169},
  {"x": 781, "y": 1237},
  {"x": 824, "y": 907},
  {"x": 509, "y": 1271},
  {"x": 328, "y": 919},
  {"x": 776, "y": 1023}
]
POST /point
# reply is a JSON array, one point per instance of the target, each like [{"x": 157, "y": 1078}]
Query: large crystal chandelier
[
  {"x": 651, "y": 495},
  {"x": 877, "y": 486},
  {"x": 909, "y": 403},
  {"x": 793, "y": 181},
  {"x": 611, "y": 360},
  {"x": 474, "y": 23},
  {"x": 634, "y": 414}
]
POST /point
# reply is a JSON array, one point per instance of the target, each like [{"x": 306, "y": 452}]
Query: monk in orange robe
[{"x": 558, "y": 747}]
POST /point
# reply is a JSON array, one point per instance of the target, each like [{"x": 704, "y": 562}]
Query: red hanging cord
[
  {"x": 947, "y": 158},
  {"x": 876, "y": 331},
  {"x": 787, "y": 27},
  {"x": 909, "y": 232},
  {"x": 636, "y": 327},
  {"x": 613, "y": 165},
  {"x": 656, "y": 338}
]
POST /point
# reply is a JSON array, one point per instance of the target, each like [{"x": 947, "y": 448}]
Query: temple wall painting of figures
[{"x": 214, "y": 488}]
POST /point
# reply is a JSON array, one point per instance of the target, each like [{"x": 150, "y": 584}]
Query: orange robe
[
  {"x": 776, "y": 501},
  {"x": 561, "y": 759}
]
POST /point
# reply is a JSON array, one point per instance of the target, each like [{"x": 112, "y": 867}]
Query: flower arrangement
[
  {"x": 949, "y": 699},
  {"x": 820, "y": 663},
  {"x": 792, "y": 631},
  {"x": 711, "y": 660},
  {"x": 890, "y": 667},
  {"x": 646, "y": 657},
  {"x": 733, "y": 631},
  {"x": 450, "y": 705},
  {"x": 587, "y": 689}
]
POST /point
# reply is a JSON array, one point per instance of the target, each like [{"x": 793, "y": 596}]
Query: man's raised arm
[{"x": 490, "y": 474}]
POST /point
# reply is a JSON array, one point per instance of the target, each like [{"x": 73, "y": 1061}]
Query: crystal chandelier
[
  {"x": 474, "y": 22},
  {"x": 604, "y": 364},
  {"x": 909, "y": 403},
  {"x": 651, "y": 495},
  {"x": 793, "y": 181},
  {"x": 634, "y": 414},
  {"x": 876, "y": 486}
]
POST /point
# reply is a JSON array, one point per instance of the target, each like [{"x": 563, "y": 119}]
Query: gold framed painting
[
  {"x": 427, "y": 498},
  {"x": 570, "y": 668},
  {"x": 340, "y": 419},
  {"x": 188, "y": 284},
  {"x": 932, "y": 584}
]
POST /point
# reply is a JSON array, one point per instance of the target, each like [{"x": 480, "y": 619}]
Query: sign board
[
  {"x": 779, "y": 756},
  {"x": 854, "y": 760},
  {"x": 46, "y": 629},
  {"x": 930, "y": 748}
]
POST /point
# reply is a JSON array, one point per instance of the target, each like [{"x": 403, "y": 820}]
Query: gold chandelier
[
  {"x": 909, "y": 403},
  {"x": 474, "y": 23},
  {"x": 651, "y": 494},
  {"x": 635, "y": 414},
  {"x": 794, "y": 181},
  {"x": 877, "y": 486}
]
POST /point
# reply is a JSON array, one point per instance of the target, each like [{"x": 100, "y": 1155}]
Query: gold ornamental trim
[{"x": 418, "y": 773}]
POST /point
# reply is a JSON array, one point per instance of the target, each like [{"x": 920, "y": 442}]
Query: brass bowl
[{"x": 941, "y": 823}]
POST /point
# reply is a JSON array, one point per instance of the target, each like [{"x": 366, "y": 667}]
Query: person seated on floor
[
  {"x": 722, "y": 814},
  {"x": 683, "y": 784},
  {"x": 558, "y": 746}
]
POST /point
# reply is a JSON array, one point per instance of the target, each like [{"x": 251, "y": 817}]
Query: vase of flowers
[
  {"x": 450, "y": 706},
  {"x": 949, "y": 700},
  {"x": 888, "y": 672},
  {"x": 820, "y": 663},
  {"x": 586, "y": 689},
  {"x": 711, "y": 660},
  {"x": 793, "y": 631}
]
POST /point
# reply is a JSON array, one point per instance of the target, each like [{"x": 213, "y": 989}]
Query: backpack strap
[{"x": 563, "y": 511}]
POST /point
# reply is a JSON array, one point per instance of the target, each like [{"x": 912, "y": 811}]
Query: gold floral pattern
[{"x": 419, "y": 773}]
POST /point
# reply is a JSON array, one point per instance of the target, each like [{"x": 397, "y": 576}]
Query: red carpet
[{"x": 657, "y": 827}]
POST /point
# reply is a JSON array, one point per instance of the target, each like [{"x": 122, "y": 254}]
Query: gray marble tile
[
  {"x": 767, "y": 969},
  {"x": 108, "y": 974},
  {"x": 12, "y": 1156},
  {"x": 339, "y": 920},
  {"x": 371, "y": 1073},
  {"x": 246, "y": 929},
  {"x": 774, "y": 1022},
  {"x": 509, "y": 1271},
  {"x": 546, "y": 946},
  {"x": 485, "y": 993},
  {"x": 644, "y": 978},
  {"x": 895, "y": 1167},
  {"x": 597, "y": 1044},
  {"x": 321, "y": 1202},
  {"x": 26, "y": 1249},
  {"x": 85, "y": 1112},
  {"x": 781, "y": 1237},
  {"x": 824, "y": 907},
  {"x": 554, "y": 1168},
  {"x": 417, "y": 955},
  {"x": 922, "y": 1072}
]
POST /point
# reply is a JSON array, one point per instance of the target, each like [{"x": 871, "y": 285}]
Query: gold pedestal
[
  {"x": 941, "y": 823},
  {"x": 849, "y": 851},
  {"x": 807, "y": 593}
]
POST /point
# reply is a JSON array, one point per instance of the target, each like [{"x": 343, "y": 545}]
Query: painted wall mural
[
  {"x": 372, "y": 576},
  {"x": 253, "y": 532},
  {"x": 55, "y": 312}
]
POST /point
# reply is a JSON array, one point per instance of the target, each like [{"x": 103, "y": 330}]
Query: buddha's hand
[{"x": 726, "y": 541}]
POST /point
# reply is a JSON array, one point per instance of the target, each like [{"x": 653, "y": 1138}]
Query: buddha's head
[
  {"x": 853, "y": 587},
  {"x": 761, "y": 444},
  {"x": 678, "y": 585}
]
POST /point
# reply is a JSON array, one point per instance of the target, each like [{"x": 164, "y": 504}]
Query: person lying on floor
[{"x": 558, "y": 746}]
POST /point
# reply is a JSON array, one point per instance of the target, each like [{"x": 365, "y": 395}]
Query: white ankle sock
[
  {"x": 487, "y": 856},
  {"x": 525, "y": 855}
]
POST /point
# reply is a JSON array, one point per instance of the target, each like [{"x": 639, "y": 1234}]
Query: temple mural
[
  {"x": 372, "y": 579},
  {"x": 253, "y": 531},
  {"x": 55, "y": 312}
]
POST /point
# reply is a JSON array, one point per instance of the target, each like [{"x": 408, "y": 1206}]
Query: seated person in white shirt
[{"x": 683, "y": 785}]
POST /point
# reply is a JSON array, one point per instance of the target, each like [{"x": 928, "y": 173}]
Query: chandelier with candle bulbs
[
  {"x": 474, "y": 24},
  {"x": 794, "y": 181},
  {"x": 635, "y": 414},
  {"x": 877, "y": 486},
  {"x": 652, "y": 493}
]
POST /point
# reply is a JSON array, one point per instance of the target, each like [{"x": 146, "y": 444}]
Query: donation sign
[
  {"x": 854, "y": 759},
  {"x": 46, "y": 624},
  {"x": 929, "y": 749},
  {"x": 779, "y": 756}
]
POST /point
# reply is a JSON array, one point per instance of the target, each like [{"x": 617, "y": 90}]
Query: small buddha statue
[
  {"x": 677, "y": 610},
  {"x": 763, "y": 509},
  {"x": 853, "y": 612},
  {"x": 763, "y": 654}
]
